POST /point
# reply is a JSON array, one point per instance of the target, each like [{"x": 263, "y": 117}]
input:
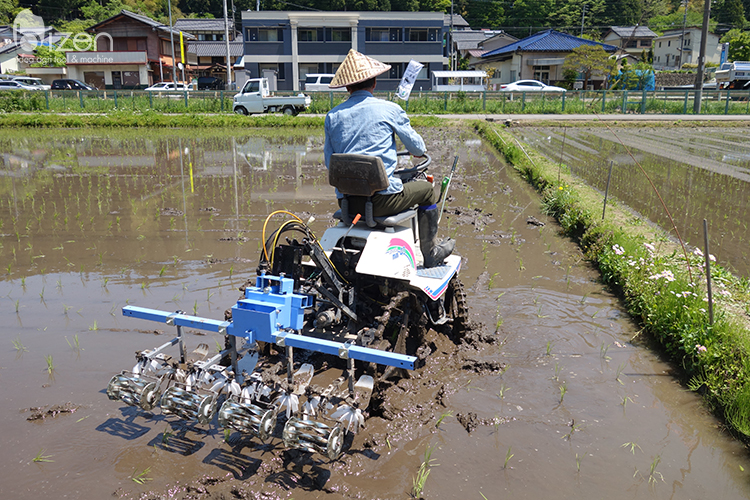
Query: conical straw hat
[{"x": 356, "y": 68}]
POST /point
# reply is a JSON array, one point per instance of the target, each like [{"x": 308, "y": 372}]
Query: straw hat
[{"x": 356, "y": 68}]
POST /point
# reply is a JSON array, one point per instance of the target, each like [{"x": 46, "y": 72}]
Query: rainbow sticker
[{"x": 398, "y": 247}]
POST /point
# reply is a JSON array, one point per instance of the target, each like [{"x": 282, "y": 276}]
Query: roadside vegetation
[{"x": 663, "y": 284}]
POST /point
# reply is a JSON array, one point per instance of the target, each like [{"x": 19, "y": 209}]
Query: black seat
[{"x": 357, "y": 175}]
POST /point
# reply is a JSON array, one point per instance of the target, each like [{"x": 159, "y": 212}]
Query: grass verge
[{"x": 662, "y": 287}]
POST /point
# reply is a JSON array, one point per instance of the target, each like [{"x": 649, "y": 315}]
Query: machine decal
[
  {"x": 398, "y": 247},
  {"x": 436, "y": 293}
]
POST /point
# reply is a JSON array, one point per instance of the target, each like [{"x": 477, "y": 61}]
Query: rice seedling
[
  {"x": 563, "y": 390},
  {"x": 508, "y": 456},
  {"x": 41, "y": 294},
  {"x": 162, "y": 271},
  {"x": 66, "y": 309},
  {"x": 653, "y": 473},
  {"x": 167, "y": 434},
  {"x": 422, "y": 474},
  {"x": 619, "y": 372},
  {"x": 550, "y": 344},
  {"x": 603, "y": 351},
  {"x": 41, "y": 457},
  {"x": 502, "y": 389},
  {"x": 573, "y": 427},
  {"x": 141, "y": 477},
  {"x": 17, "y": 305},
  {"x": 195, "y": 308},
  {"x": 50, "y": 365},
  {"x": 625, "y": 400},
  {"x": 632, "y": 446},
  {"x": 442, "y": 417},
  {"x": 76, "y": 345},
  {"x": 18, "y": 346},
  {"x": 558, "y": 368},
  {"x": 579, "y": 459},
  {"x": 94, "y": 327}
]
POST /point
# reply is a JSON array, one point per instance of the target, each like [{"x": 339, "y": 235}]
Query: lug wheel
[{"x": 456, "y": 308}]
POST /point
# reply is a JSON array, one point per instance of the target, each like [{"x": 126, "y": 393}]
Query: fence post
[
  {"x": 484, "y": 101},
  {"x": 625, "y": 101},
  {"x": 523, "y": 101},
  {"x": 407, "y": 106},
  {"x": 186, "y": 102},
  {"x": 684, "y": 106},
  {"x": 80, "y": 98},
  {"x": 46, "y": 98},
  {"x": 115, "y": 98},
  {"x": 330, "y": 100},
  {"x": 604, "y": 99},
  {"x": 563, "y": 102},
  {"x": 726, "y": 106},
  {"x": 221, "y": 96},
  {"x": 445, "y": 101},
  {"x": 643, "y": 102}
]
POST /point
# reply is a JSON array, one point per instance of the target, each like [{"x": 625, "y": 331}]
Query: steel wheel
[{"x": 456, "y": 308}]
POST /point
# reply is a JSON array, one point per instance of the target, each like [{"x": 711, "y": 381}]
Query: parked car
[
  {"x": 32, "y": 82},
  {"x": 318, "y": 82},
  {"x": 529, "y": 86},
  {"x": 169, "y": 87},
  {"x": 210, "y": 83},
  {"x": 14, "y": 85},
  {"x": 70, "y": 84}
]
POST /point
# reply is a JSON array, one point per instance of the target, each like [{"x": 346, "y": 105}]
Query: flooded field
[
  {"x": 555, "y": 399},
  {"x": 701, "y": 173}
]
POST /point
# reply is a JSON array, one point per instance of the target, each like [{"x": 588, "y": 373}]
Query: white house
[{"x": 672, "y": 49}]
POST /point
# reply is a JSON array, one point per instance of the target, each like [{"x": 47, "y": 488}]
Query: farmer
[{"x": 366, "y": 125}]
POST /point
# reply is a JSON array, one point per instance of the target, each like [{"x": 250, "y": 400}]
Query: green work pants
[{"x": 414, "y": 193}]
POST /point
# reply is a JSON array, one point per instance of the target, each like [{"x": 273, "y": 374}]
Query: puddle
[
  {"x": 554, "y": 400},
  {"x": 701, "y": 173}
]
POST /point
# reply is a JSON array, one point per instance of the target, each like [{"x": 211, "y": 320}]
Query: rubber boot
[{"x": 434, "y": 253}]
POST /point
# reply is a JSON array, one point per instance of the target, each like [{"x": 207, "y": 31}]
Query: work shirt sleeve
[{"x": 411, "y": 139}]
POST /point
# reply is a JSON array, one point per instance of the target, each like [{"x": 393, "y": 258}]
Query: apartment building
[{"x": 291, "y": 44}]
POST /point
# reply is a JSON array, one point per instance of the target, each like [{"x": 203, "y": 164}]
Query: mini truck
[{"x": 256, "y": 98}]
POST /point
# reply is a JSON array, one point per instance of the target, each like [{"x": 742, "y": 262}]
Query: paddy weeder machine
[{"x": 358, "y": 300}]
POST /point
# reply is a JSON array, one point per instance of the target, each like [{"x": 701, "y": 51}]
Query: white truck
[
  {"x": 734, "y": 75},
  {"x": 256, "y": 98}
]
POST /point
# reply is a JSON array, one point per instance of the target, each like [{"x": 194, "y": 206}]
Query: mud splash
[{"x": 551, "y": 398}]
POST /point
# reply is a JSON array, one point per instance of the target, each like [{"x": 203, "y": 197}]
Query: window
[
  {"x": 659, "y": 44},
  {"x": 631, "y": 44},
  {"x": 423, "y": 73},
  {"x": 417, "y": 35},
  {"x": 396, "y": 71},
  {"x": 669, "y": 43},
  {"x": 338, "y": 35},
  {"x": 383, "y": 35},
  {"x": 541, "y": 73},
  {"x": 645, "y": 43},
  {"x": 310, "y": 35},
  {"x": 265, "y": 35}
]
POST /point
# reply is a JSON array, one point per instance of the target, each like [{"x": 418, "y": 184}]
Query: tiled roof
[
  {"x": 211, "y": 49},
  {"x": 633, "y": 31},
  {"x": 476, "y": 52},
  {"x": 458, "y": 21},
  {"x": 145, "y": 20},
  {"x": 548, "y": 41},
  {"x": 196, "y": 25}
]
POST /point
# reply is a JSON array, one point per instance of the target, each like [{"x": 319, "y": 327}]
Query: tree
[
  {"x": 589, "y": 60},
  {"x": 730, "y": 13},
  {"x": 739, "y": 45},
  {"x": 8, "y": 11}
]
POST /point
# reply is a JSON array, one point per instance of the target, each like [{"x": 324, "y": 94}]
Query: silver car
[{"x": 529, "y": 86}]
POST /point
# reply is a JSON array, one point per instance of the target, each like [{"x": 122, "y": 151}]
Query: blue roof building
[{"x": 536, "y": 57}]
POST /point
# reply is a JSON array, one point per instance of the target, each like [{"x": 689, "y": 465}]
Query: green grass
[{"x": 652, "y": 277}]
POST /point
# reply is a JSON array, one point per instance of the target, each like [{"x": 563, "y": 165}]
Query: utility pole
[
  {"x": 171, "y": 41},
  {"x": 450, "y": 37},
  {"x": 702, "y": 59},
  {"x": 682, "y": 37},
  {"x": 583, "y": 18},
  {"x": 226, "y": 39}
]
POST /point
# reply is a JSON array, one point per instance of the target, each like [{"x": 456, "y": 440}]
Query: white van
[{"x": 318, "y": 82}]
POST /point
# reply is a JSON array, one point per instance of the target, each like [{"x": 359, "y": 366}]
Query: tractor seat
[{"x": 362, "y": 175}]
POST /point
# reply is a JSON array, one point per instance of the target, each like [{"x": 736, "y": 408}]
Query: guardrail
[{"x": 713, "y": 102}]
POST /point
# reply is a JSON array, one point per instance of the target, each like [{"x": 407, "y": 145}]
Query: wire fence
[{"x": 713, "y": 102}]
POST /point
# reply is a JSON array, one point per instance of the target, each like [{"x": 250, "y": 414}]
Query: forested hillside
[{"x": 519, "y": 17}]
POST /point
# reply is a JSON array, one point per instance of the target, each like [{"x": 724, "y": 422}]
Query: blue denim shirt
[{"x": 366, "y": 125}]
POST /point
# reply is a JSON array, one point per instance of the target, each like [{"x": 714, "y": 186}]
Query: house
[
  {"x": 467, "y": 41},
  {"x": 538, "y": 57},
  {"x": 132, "y": 51},
  {"x": 631, "y": 39},
  {"x": 291, "y": 44},
  {"x": 675, "y": 48},
  {"x": 496, "y": 41},
  {"x": 17, "y": 46},
  {"x": 210, "y": 46}
]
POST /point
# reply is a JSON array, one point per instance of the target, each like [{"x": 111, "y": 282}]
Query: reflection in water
[
  {"x": 700, "y": 173},
  {"x": 173, "y": 220}
]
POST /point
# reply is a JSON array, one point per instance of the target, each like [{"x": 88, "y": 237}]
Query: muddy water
[
  {"x": 553, "y": 399},
  {"x": 701, "y": 173}
]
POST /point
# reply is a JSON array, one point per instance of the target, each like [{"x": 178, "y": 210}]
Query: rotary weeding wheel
[{"x": 456, "y": 308}]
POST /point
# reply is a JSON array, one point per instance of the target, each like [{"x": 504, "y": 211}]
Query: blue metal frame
[{"x": 270, "y": 312}]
